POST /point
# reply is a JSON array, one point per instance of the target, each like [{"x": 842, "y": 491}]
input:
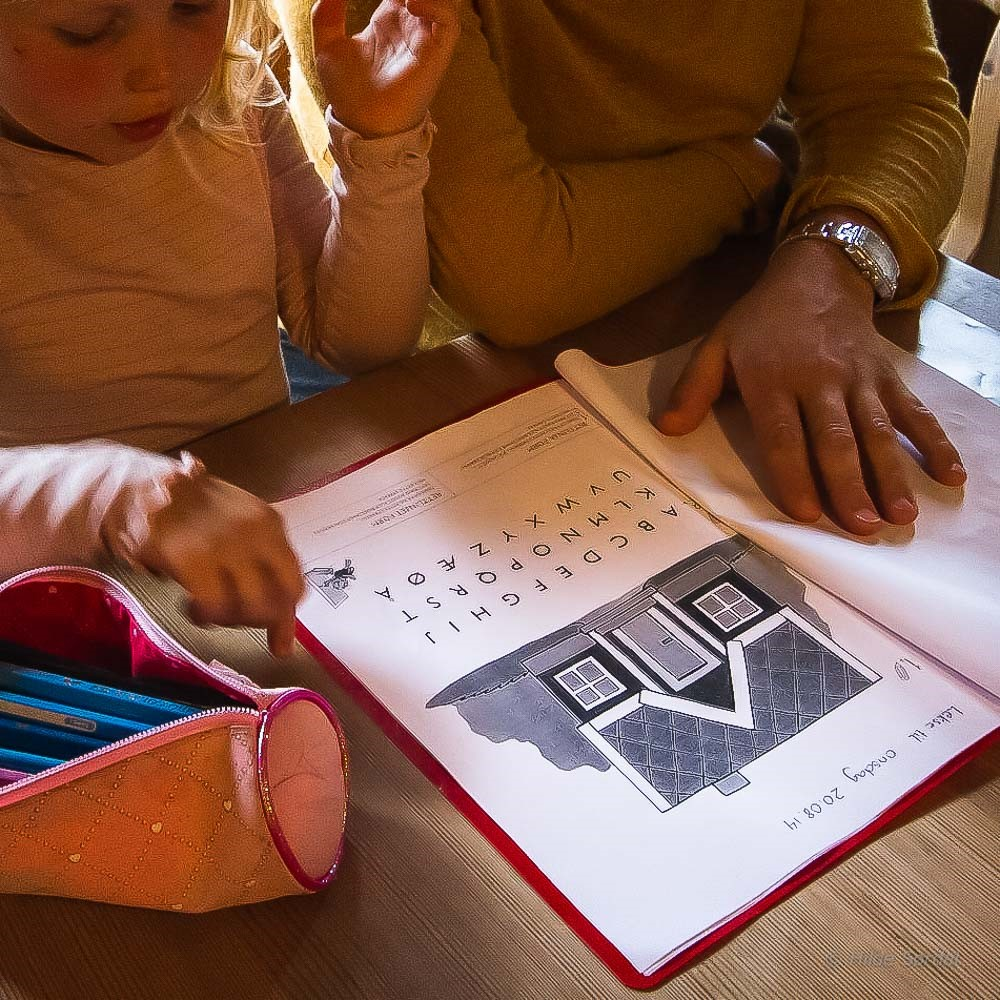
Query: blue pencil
[
  {"x": 24, "y": 736},
  {"x": 25, "y": 763},
  {"x": 94, "y": 697},
  {"x": 97, "y": 725}
]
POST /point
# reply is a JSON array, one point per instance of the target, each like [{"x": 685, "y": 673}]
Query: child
[{"x": 158, "y": 215}]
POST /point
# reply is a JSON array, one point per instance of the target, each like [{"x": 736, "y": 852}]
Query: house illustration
[{"x": 677, "y": 684}]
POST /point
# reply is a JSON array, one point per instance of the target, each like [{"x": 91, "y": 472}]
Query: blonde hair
[{"x": 240, "y": 80}]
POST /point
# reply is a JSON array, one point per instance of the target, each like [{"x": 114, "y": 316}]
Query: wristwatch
[{"x": 872, "y": 256}]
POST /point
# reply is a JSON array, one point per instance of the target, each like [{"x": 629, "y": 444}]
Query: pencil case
[{"x": 237, "y": 803}]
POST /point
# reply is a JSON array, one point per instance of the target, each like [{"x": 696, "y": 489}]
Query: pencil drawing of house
[{"x": 677, "y": 684}]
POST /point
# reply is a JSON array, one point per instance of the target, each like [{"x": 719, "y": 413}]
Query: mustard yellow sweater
[{"x": 587, "y": 150}]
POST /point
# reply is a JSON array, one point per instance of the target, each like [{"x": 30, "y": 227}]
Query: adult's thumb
[{"x": 700, "y": 384}]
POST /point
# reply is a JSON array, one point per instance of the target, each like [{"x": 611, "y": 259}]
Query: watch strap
[{"x": 869, "y": 253}]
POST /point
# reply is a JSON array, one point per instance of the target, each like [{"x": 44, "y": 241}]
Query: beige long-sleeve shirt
[
  {"x": 139, "y": 304},
  {"x": 589, "y": 150}
]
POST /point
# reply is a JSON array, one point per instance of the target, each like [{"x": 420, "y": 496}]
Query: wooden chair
[
  {"x": 969, "y": 37},
  {"x": 964, "y": 30}
]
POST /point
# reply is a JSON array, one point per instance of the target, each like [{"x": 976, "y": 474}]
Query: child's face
[{"x": 102, "y": 78}]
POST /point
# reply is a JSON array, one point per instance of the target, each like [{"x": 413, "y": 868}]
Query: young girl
[{"x": 158, "y": 214}]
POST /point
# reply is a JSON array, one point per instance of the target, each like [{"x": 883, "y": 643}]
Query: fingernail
[
  {"x": 904, "y": 508},
  {"x": 958, "y": 469},
  {"x": 867, "y": 516}
]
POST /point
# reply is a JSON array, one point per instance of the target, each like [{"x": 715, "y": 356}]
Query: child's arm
[
  {"x": 76, "y": 503},
  {"x": 352, "y": 263},
  {"x": 352, "y": 271}
]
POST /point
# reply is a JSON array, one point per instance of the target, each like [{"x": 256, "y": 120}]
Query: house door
[{"x": 663, "y": 649}]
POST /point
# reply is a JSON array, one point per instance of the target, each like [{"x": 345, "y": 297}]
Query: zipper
[{"x": 237, "y": 711}]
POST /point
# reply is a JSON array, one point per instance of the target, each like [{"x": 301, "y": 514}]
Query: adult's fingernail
[
  {"x": 904, "y": 508},
  {"x": 808, "y": 512},
  {"x": 867, "y": 516},
  {"x": 958, "y": 469}
]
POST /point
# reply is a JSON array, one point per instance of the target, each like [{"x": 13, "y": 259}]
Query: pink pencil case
[{"x": 229, "y": 805}]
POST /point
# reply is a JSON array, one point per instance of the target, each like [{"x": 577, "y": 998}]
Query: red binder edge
[
  {"x": 443, "y": 780},
  {"x": 529, "y": 871}
]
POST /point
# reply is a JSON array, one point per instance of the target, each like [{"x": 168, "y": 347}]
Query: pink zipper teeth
[{"x": 106, "y": 756}]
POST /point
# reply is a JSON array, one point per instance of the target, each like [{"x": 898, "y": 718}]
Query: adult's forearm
[
  {"x": 525, "y": 246},
  {"x": 880, "y": 128},
  {"x": 527, "y": 253}
]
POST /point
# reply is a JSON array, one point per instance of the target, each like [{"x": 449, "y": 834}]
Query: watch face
[{"x": 850, "y": 232}]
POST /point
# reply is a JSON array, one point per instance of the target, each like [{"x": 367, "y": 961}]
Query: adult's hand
[
  {"x": 824, "y": 400},
  {"x": 381, "y": 81}
]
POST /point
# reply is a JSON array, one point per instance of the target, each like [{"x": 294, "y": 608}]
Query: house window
[
  {"x": 727, "y": 606},
  {"x": 589, "y": 683}
]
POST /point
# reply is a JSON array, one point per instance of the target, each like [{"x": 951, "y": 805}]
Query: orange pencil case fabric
[{"x": 230, "y": 805}]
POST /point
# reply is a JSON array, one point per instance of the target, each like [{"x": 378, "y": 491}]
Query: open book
[{"x": 665, "y": 704}]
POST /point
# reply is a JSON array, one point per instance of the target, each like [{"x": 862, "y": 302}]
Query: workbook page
[
  {"x": 661, "y": 715},
  {"x": 934, "y": 581}
]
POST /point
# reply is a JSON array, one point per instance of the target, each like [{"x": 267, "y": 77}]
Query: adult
[{"x": 589, "y": 151}]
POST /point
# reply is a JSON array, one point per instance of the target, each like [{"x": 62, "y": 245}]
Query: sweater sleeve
[
  {"x": 609, "y": 230},
  {"x": 352, "y": 270},
  {"x": 879, "y": 126},
  {"x": 76, "y": 503}
]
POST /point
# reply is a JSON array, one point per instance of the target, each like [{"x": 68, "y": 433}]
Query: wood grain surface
[{"x": 423, "y": 907}]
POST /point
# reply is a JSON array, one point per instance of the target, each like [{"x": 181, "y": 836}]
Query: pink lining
[{"x": 81, "y": 621}]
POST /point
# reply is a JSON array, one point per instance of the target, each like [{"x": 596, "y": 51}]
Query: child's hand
[
  {"x": 821, "y": 392},
  {"x": 381, "y": 81},
  {"x": 228, "y": 549}
]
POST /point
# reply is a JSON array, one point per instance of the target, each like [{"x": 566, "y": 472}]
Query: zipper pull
[{"x": 227, "y": 673}]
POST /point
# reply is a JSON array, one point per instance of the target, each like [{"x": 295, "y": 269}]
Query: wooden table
[{"x": 423, "y": 908}]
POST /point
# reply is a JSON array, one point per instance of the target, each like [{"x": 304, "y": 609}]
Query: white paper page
[
  {"x": 535, "y": 605},
  {"x": 934, "y": 582}
]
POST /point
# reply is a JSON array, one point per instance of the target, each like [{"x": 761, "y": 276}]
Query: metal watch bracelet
[{"x": 869, "y": 253}]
